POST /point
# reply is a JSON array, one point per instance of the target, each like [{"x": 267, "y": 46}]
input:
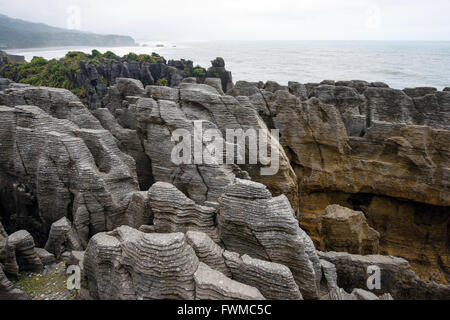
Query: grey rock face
[
  {"x": 397, "y": 278},
  {"x": 128, "y": 142},
  {"x": 128, "y": 264},
  {"x": 252, "y": 222},
  {"x": 171, "y": 109},
  {"x": 58, "y": 103},
  {"x": 22, "y": 243},
  {"x": 273, "y": 87},
  {"x": 139, "y": 211},
  {"x": 298, "y": 89},
  {"x": 3, "y": 233},
  {"x": 349, "y": 102},
  {"x": 274, "y": 281},
  {"x": 4, "y": 83},
  {"x": 70, "y": 171},
  {"x": 216, "y": 84},
  {"x": 174, "y": 212},
  {"x": 218, "y": 71},
  {"x": 46, "y": 257},
  {"x": 329, "y": 275},
  {"x": 7, "y": 290},
  {"x": 62, "y": 238},
  {"x": 347, "y": 230},
  {"x": 419, "y": 92},
  {"x": 208, "y": 251},
  {"x": 213, "y": 285}
]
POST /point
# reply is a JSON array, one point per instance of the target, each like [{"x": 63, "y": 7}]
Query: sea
[{"x": 400, "y": 64}]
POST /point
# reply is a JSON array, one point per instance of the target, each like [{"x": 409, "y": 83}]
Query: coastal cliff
[{"x": 363, "y": 180}]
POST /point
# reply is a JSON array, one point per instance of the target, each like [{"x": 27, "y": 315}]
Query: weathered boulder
[
  {"x": 62, "y": 238},
  {"x": 127, "y": 264},
  {"x": 58, "y": 103},
  {"x": 273, "y": 87},
  {"x": 216, "y": 83},
  {"x": 139, "y": 211},
  {"x": 26, "y": 255},
  {"x": 213, "y": 285},
  {"x": 218, "y": 71},
  {"x": 419, "y": 92},
  {"x": 397, "y": 278},
  {"x": 251, "y": 222},
  {"x": 174, "y": 212},
  {"x": 329, "y": 276},
  {"x": 4, "y": 83},
  {"x": 347, "y": 230},
  {"x": 298, "y": 89},
  {"x": 208, "y": 252},
  {"x": 7, "y": 289},
  {"x": 274, "y": 281},
  {"x": 173, "y": 109},
  {"x": 46, "y": 257}
]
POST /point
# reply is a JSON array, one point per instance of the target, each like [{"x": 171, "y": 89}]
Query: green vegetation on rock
[
  {"x": 199, "y": 72},
  {"x": 63, "y": 73},
  {"x": 163, "y": 82}
]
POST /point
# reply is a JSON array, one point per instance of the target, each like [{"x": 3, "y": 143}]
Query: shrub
[
  {"x": 199, "y": 72},
  {"x": 163, "y": 82}
]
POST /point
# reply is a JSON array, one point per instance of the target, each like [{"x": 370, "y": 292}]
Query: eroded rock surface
[
  {"x": 397, "y": 278},
  {"x": 174, "y": 212},
  {"x": 58, "y": 161},
  {"x": 62, "y": 238},
  {"x": 373, "y": 149},
  {"x": 7, "y": 290},
  {"x": 251, "y": 222},
  {"x": 347, "y": 230}
]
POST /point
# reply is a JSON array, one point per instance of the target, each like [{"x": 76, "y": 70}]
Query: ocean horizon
[{"x": 400, "y": 64}]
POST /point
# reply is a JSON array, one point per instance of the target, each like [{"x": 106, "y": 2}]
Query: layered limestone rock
[
  {"x": 62, "y": 238},
  {"x": 274, "y": 281},
  {"x": 397, "y": 278},
  {"x": 251, "y": 222},
  {"x": 218, "y": 71},
  {"x": 373, "y": 149},
  {"x": 174, "y": 212},
  {"x": 200, "y": 107},
  {"x": 57, "y": 160},
  {"x": 7, "y": 289},
  {"x": 46, "y": 257},
  {"x": 128, "y": 264},
  {"x": 345, "y": 230},
  {"x": 26, "y": 256},
  {"x": 213, "y": 285},
  {"x": 139, "y": 212},
  {"x": 128, "y": 142},
  {"x": 208, "y": 252}
]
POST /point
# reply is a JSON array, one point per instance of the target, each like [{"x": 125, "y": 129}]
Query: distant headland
[{"x": 15, "y": 33}]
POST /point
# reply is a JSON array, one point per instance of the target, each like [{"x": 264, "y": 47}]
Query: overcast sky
[{"x": 244, "y": 19}]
